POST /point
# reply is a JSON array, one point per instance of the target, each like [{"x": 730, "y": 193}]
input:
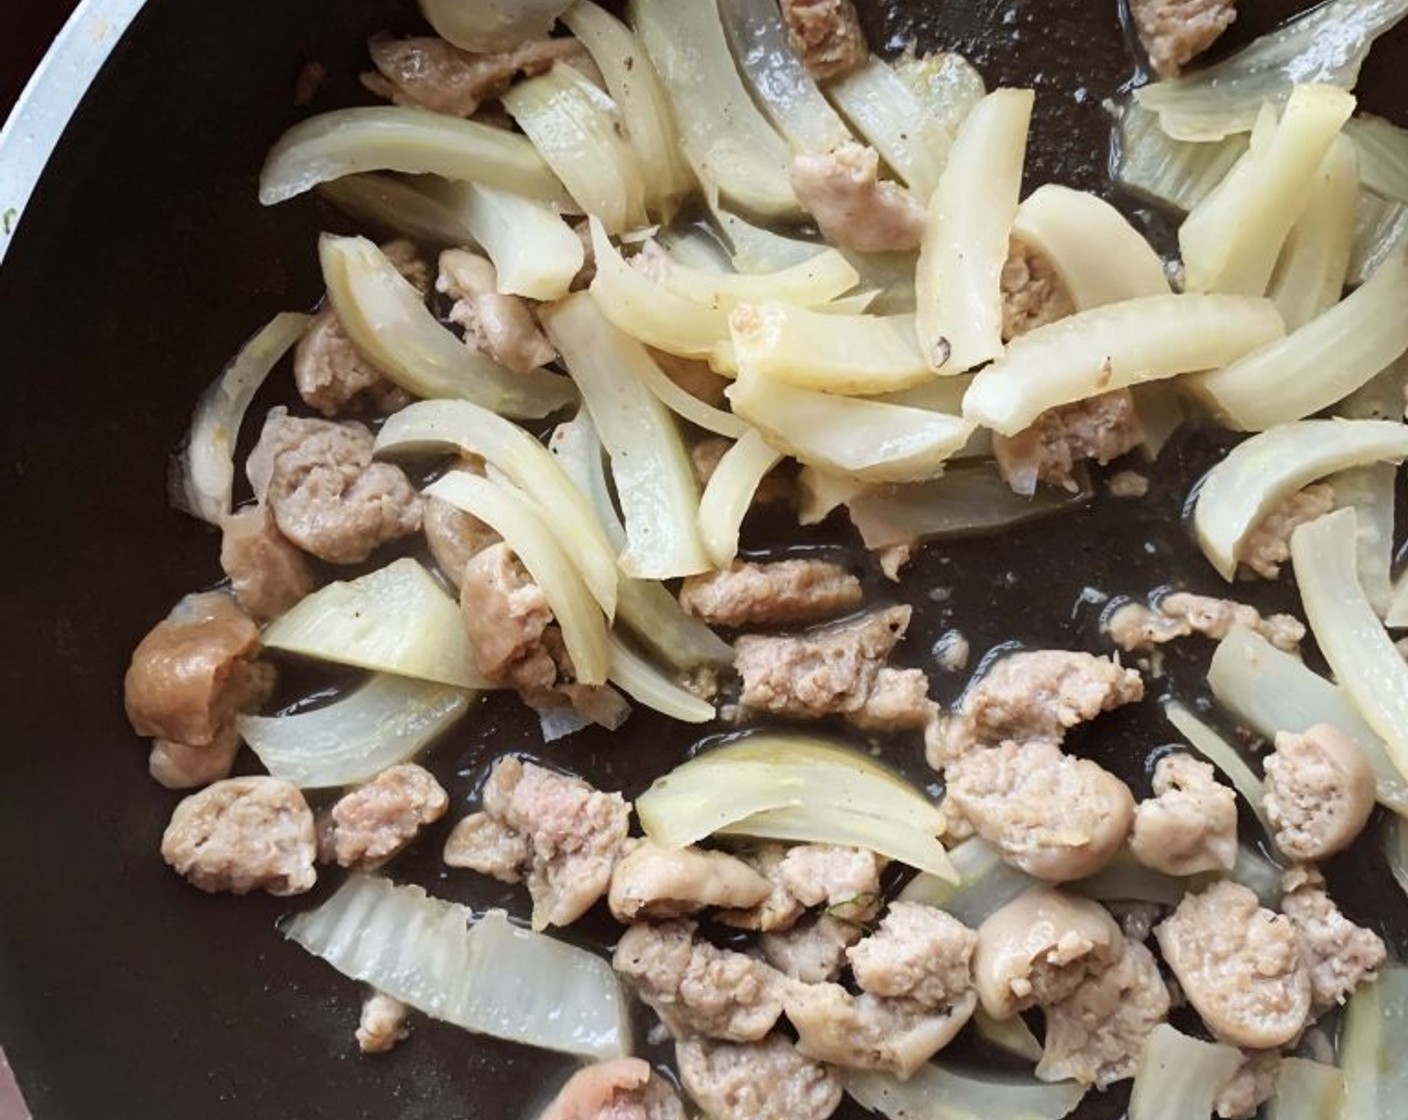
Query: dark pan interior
[{"x": 142, "y": 264}]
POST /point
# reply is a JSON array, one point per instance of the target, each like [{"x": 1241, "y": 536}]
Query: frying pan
[{"x": 142, "y": 262}]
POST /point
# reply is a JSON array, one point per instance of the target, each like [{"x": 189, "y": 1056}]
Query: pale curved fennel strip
[
  {"x": 895, "y": 123},
  {"x": 1115, "y": 347},
  {"x": 729, "y": 494},
  {"x": 942, "y": 1091},
  {"x": 1224, "y": 757},
  {"x": 1314, "y": 264},
  {"x": 1383, "y": 155},
  {"x": 814, "y": 282},
  {"x": 1175, "y": 173},
  {"x": 644, "y": 683},
  {"x": 407, "y": 207},
  {"x": 386, "y": 138},
  {"x": 1178, "y": 1077},
  {"x": 1371, "y": 1047}
]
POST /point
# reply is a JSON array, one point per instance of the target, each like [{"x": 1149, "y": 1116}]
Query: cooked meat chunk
[
  {"x": 621, "y": 1089},
  {"x": 574, "y": 833},
  {"x": 326, "y": 494},
  {"x": 1250, "y": 1087},
  {"x": 869, "y": 1032},
  {"x": 812, "y": 951},
  {"x": 501, "y": 325},
  {"x": 1175, "y": 31},
  {"x": 852, "y": 205},
  {"x": 696, "y": 988},
  {"x": 1032, "y": 294},
  {"x": 1339, "y": 954},
  {"x": 1239, "y": 965},
  {"x": 771, "y": 594},
  {"x": 780, "y": 909},
  {"x": 767, "y": 1080},
  {"x": 1039, "y": 694},
  {"x": 918, "y": 952},
  {"x": 267, "y": 573},
  {"x": 844, "y": 880},
  {"x": 506, "y": 614},
  {"x": 376, "y": 820},
  {"x": 455, "y": 538},
  {"x": 432, "y": 74},
  {"x": 1039, "y": 948},
  {"x": 1320, "y": 792},
  {"x": 485, "y": 844},
  {"x": 1134, "y": 626},
  {"x": 1096, "y": 1035},
  {"x": 382, "y": 1025},
  {"x": 1269, "y": 544},
  {"x": 833, "y": 670},
  {"x": 241, "y": 835},
  {"x": 827, "y": 34},
  {"x": 189, "y": 678},
  {"x": 1101, "y": 428},
  {"x": 1190, "y": 824},
  {"x": 1128, "y": 484},
  {"x": 1052, "y": 815},
  {"x": 652, "y": 881},
  {"x": 898, "y": 698}
]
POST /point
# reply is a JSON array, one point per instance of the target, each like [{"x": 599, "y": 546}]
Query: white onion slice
[
  {"x": 485, "y": 975},
  {"x": 407, "y": 207},
  {"x": 1224, "y": 756},
  {"x": 1178, "y": 1077},
  {"x": 1372, "y": 1044},
  {"x": 1383, "y": 156},
  {"x": 814, "y": 282},
  {"x": 895, "y": 123},
  {"x": 946, "y": 84},
  {"x": 397, "y": 619},
  {"x": 492, "y": 25},
  {"x": 756, "y": 249},
  {"x": 1260, "y": 473},
  {"x": 204, "y": 477},
  {"x": 386, "y": 721},
  {"x": 986, "y": 883},
  {"x": 1380, "y": 229},
  {"x": 1305, "y": 1090},
  {"x": 644, "y": 683},
  {"x": 1012, "y": 1035},
  {"x": 945, "y": 1092},
  {"x": 1370, "y": 490},
  {"x": 1175, "y": 173},
  {"x": 1310, "y": 274},
  {"x": 1125, "y": 879},
  {"x": 728, "y": 495},
  {"x": 386, "y": 138},
  {"x": 686, "y": 405}
]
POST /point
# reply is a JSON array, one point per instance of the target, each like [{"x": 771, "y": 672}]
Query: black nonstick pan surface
[{"x": 141, "y": 265}]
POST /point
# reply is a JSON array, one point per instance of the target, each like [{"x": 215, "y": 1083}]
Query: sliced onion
[
  {"x": 806, "y": 825},
  {"x": 686, "y": 405},
  {"x": 1379, "y": 398},
  {"x": 1372, "y": 1044},
  {"x": 1356, "y": 645},
  {"x": 946, "y": 84},
  {"x": 1115, "y": 347},
  {"x": 1012, "y": 1034},
  {"x": 1327, "y": 44},
  {"x": 483, "y": 974},
  {"x": 386, "y": 721},
  {"x": 397, "y": 619},
  {"x": 756, "y": 249},
  {"x": 1380, "y": 229},
  {"x": 1124, "y": 879},
  {"x": 524, "y": 531},
  {"x": 945, "y": 1092},
  {"x": 644, "y": 683},
  {"x": 728, "y": 495},
  {"x": 1178, "y": 1077},
  {"x": 435, "y": 427},
  {"x": 811, "y": 283},
  {"x": 1396, "y": 850},
  {"x": 895, "y": 123},
  {"x": 1305, "y": 1090},
  {"x": 1383, "y": 156},
  {"x": 985, "y": 884},
  {"x": 1260, "y": 473},
  {"x": 779, "y": 81},
  {"x": 654, "y": 478},
  {"x": 388, "y": 322},
  {"x": 204, "y": 476},
  {"x": 1314, "y": 264},
  {"x": 1270, "y": 690},
  {"x": 957, "y": 285},
  {"x": 1258, "y": 874},
  {"x": 1370, "y": 491},
  {"x": 408, "y": 207},
  {"x": 1176, "y": 173},
  {"x": 733, "y": 149},
  {"x": 489, "y": 26},
  {"x": 819, "y": 492},
  {"x": 385, "y": 138},
  {"x": 1224, "y": 756}
]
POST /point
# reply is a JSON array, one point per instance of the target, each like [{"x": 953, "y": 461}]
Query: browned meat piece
[
  {"x": 1268, "y": 546},
  {"x": 621, "y": 1089},
  {"x": 376, "y": 820},
  {"x": 432, "y": 74},
  {"x": 1100, "y": 428},
  {"x": 655, "y": 882},
  {"x": 485, "y": 844},
  {"x": 1032, "y": 294},
  {"x": 455, "y": 538},
  {"x": 696, "y": 988},
  {"x": 1190, "y": 824},
  {"x": 506, "y": 614},
  {"x": 1250, "y": 1087},
  {"x": 1134, "y": 626},
  {"x": 812, "y": 951},
  {"x": 844, "y": 880},
  {"x": 834, "y": 670},
  {"x": 1339, "y": 954},
  {"x": 1239, "y": 965},
  {"x": 918, "y": 952},
  {"x": 267, "y": 573},
  {"x": 771, "y": 594},
  {"x": 1039, "y": 948},
  {"x": 500, "y": 325},
  {"x": 705, "y": 456},
  {"x": 767, "y": 1080},
  {"x": 575, "y": 835},
  {"x": 326, "y": 494},
  {"x": 1175, "y": 31},
  {"x": 1320, "y": 792},
  {"x": 1055, "y": 816},
  {"x": 1096, "y": 1035},
  {"x": 893, "y": 559},
  {"x": 852, "y": 205},
  {"x": 780, "y": 909},
  {"x": 241, "y": 835},
  {"x": 382, "y": 1024},
  {"x": 827, "y": 34},
  {"x": 189, "y": 678}
]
